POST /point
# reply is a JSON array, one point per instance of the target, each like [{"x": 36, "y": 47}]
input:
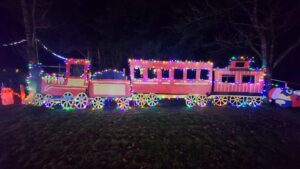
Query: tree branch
[
  {"x": 282, "y": 56},
  {"x": 249, "y": 42}
]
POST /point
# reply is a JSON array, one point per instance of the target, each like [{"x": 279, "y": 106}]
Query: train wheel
[
  {"x": 259, "y": 101},
  {"x": 67, "y": 100},
  {"x": 48, "y": 100},
  {"x": 140, "y": 99},
  {"x": 202, "y": 100},
  {"x": 38, "y": 100},
  {"x": 152, "y": 100},
  {"x": 190, "y": 100},
  {"x": 98, "y": 102},
  {"x": 220, "y": 100},
  {"x": 236, "y": 100},
  {"x": 123, "y": 103},
  {"x": 81, "y": 101},
  {"x": 254, "y": 101}
]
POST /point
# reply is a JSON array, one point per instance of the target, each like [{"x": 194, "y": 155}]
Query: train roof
[{"x": 170, "y": 63}]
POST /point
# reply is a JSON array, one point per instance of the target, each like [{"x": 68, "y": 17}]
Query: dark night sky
[{"x": 134, "y": 27}]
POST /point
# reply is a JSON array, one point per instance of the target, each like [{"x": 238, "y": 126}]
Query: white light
[
  {"x": 13, "y": 43},
  {"x": 47, "y": 49},
  {"x": 44, "y": 46}
]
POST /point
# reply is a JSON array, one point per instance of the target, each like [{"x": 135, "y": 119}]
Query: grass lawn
[{"x": 161, "y": 137}]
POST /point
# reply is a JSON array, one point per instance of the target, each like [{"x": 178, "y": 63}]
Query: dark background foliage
[{"x": 109, "y": 32}]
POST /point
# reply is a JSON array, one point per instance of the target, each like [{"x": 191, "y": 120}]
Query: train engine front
[{"x": 68, "y": 90}]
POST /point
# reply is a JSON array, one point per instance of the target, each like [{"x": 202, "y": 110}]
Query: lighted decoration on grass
[
  {"x": 38, "y": 99},
  {"x": 219, "y": 93},
  {"x": 254, "y": 101},
  {"x": 220, "y": 100},
  {"x": 152, "y": 100},
  {"x": 237, "y": 100},
  {"x": 285, "y": 97},
  {"x": 191, "y": 101},
  {"x": 7, "y": 96},
  {"x": 98, "y": 102},
  {"x": 150, "y": 81},
  {"x": 139, "y": 99},
  {"x": 48, "y": 101},
  {"x": 123, "y": 103},
  {"x": 67, "y": 100},
  {"x": 202, "y": 100},
  {"x": 81, "y": 101}
]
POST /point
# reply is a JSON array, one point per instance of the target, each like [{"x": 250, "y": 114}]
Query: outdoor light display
[
  {"x": 7, "y": 96},
  {"x": 161, "y": 79},
  {"x": 284, "y": 97},
  {"x": 77, "y": 88},
  {"x": 37, "y": 41},
  {"x": 198, "y": 83}
]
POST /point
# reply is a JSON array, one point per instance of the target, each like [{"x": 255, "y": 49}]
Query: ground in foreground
[{"x": 160, "y": 137}]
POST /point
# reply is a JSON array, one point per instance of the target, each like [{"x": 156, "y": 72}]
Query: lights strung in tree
[
  {"x": 14, "y": 43},
  {"x": 49, "y": 50},
  {"x": 44, "y": 46}
]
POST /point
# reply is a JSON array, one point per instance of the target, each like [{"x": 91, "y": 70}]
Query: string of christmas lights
[
  {"x": 49, "y": 50},
  {"x": 13, "y": 43},
  {"x": 44, "y": 46}
]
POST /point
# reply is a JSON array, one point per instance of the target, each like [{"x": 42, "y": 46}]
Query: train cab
[{"x": 74, "y": 81}]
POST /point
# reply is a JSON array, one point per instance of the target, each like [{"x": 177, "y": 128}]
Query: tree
[
  {"x": 263, "y": 30},
  {"x": 261, "y": 26},
  {"x": 34, "y": 18}
]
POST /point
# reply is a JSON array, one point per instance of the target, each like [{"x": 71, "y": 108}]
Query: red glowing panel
[{"x": 7, "y": 96}]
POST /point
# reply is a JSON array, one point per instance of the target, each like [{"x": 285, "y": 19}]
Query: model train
[{"x": 199, "y": 83}]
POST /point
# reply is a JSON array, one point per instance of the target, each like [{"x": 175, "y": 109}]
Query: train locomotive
[{"x": 198, "y": 83}]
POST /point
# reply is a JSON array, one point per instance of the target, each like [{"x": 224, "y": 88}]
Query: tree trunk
[
  {"x": 29, "y": 32},
  {"x": 99, "y": 58}
]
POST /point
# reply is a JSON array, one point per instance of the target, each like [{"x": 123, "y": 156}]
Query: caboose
[{"x": 238, "y": 84}]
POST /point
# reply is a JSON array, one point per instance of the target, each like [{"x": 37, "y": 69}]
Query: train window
[
  {"x": 76, "y": 70},
  {"x": 228, "y": 78},
  {"x": 248, "y": 79},
  {"x": 239, "y": 64},
  {"x": 164, "y": 73},
  {"x": 178, "y": 74},
  {"x": 152, "y": 73},
  {"x": 204, "y": 74},
  {"x": 191, "y": 74},
  {"x": 138, "y": 73}
]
